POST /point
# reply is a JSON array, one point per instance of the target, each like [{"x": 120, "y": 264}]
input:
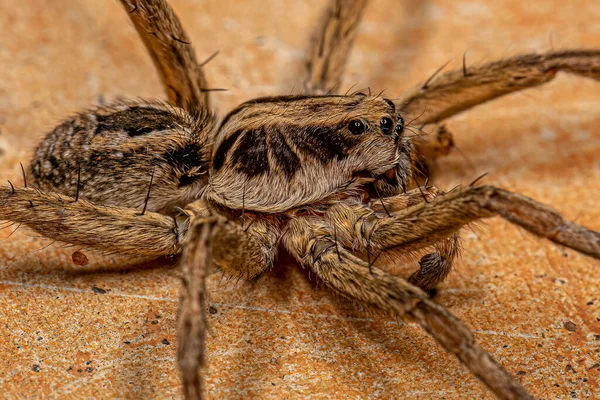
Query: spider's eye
[
  {"x": 400, "y": 126},
  {"x": 386, "y": 124},
  {"x": 356, "y": 127}
]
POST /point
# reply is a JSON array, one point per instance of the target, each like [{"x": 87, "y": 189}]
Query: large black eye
[
  {"x": 356, "y": 127},
  {"x": 386, "y": 124},
  {"x": 400, "y": 126}
]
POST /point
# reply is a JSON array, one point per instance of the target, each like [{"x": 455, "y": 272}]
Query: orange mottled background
[{"x": 107, "y": 329}]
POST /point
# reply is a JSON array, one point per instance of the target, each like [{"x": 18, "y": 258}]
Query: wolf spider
[{"x": 325, "y": 177}]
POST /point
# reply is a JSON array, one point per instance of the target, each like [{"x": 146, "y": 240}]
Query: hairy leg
[
  {"x": 424, "y": 224},
  {"x": 82, "y": 223},
  {"x": 438, "y": 146},
  {"x": 310, "y": 242},
  {"x": 355, "y": 225},
  {"x": 239, "y": 252},
  {"x": 444, "y": 95},
  {"x": 245, "y": 252},
  {"x": 171, "y": 51},
  {"x": 191, "y": 321},
  {"x": 331, "y": 45}
]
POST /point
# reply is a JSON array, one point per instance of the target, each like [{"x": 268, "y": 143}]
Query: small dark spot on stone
[
  {"x": 88, "y": 362},
  {"x": 595, "y": 366},
  {"x": 584, "y": 380},
  {"x": 154, "y": 322},
  {"x": 570, "y": 326},
  {"x": 79, "y": 370},
  {"x": 98, "y": 290},
  {"x": 557, "y": 385},
  {"x": 39, "y": 338},
  {"x": 574, "y": 395},
  {"x": 521, "y": 373},
  {"x": 212, "y": 310},
  {"x": 36, "y": 368},
  {"x": 273, "y": 383},
  {"x": 79, "y": 258},
  {"x": 127, "y": 342},
  {"x": 89, "y": 369},
  {"x": 565, "y": 255},
  {"x": 18, "y": 347},
  {"x": 539, "y": 345},
  {"x": 596, "y": 337},
  {"x": 569, "y": 368},
  {"x": 165, "y": 342},
  {"x": 590, "y": 303},
  {"x": 505, "y": 346},
  {"x": 70, "y": 368}
]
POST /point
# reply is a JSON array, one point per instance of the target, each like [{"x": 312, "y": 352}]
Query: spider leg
[
  {"x": 171, "y": 51},
  {"x": 192, "y": 321},
  {"x": 438, "y": 145},
  {"x": 355, "y": 225},
  {"x": 82, "y": 223},
  {"x": 239, "y": 252},
  {"x": 425, "y": 223},
  {"x": 245, "y": 253},
  {"x": 450, "y": 93},
  {"x": 310, "y": 242},
  {"x": 331, "y": 45}
]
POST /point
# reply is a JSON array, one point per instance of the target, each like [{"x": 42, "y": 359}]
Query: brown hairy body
[{"x": 313, "y": 239}]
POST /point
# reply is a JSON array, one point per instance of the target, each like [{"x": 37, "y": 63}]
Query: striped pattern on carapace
[{"x": 303, "y": 149}]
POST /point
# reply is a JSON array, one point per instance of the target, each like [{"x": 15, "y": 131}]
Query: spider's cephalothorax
[
  {"x": 325, "y": 177},
  {"x": 275, "y": 154}
]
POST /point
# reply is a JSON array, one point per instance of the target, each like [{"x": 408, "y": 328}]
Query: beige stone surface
[{"x": 283, "y": 335}]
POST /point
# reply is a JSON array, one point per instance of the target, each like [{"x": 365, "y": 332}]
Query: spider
[{"x": 355, "y": 154}]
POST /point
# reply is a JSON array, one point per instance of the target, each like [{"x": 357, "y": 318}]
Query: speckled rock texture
[{"x": 107, "y": 329}]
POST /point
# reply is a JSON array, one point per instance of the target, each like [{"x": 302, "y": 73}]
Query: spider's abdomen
[
  {"x": 276, "y": 154},
  {"x": 114, "y": 152}
]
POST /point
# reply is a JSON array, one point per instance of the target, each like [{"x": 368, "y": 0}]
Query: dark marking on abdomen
[
  {"x": 189, "y": 161},
  {"x": 135, "y": 121}
]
